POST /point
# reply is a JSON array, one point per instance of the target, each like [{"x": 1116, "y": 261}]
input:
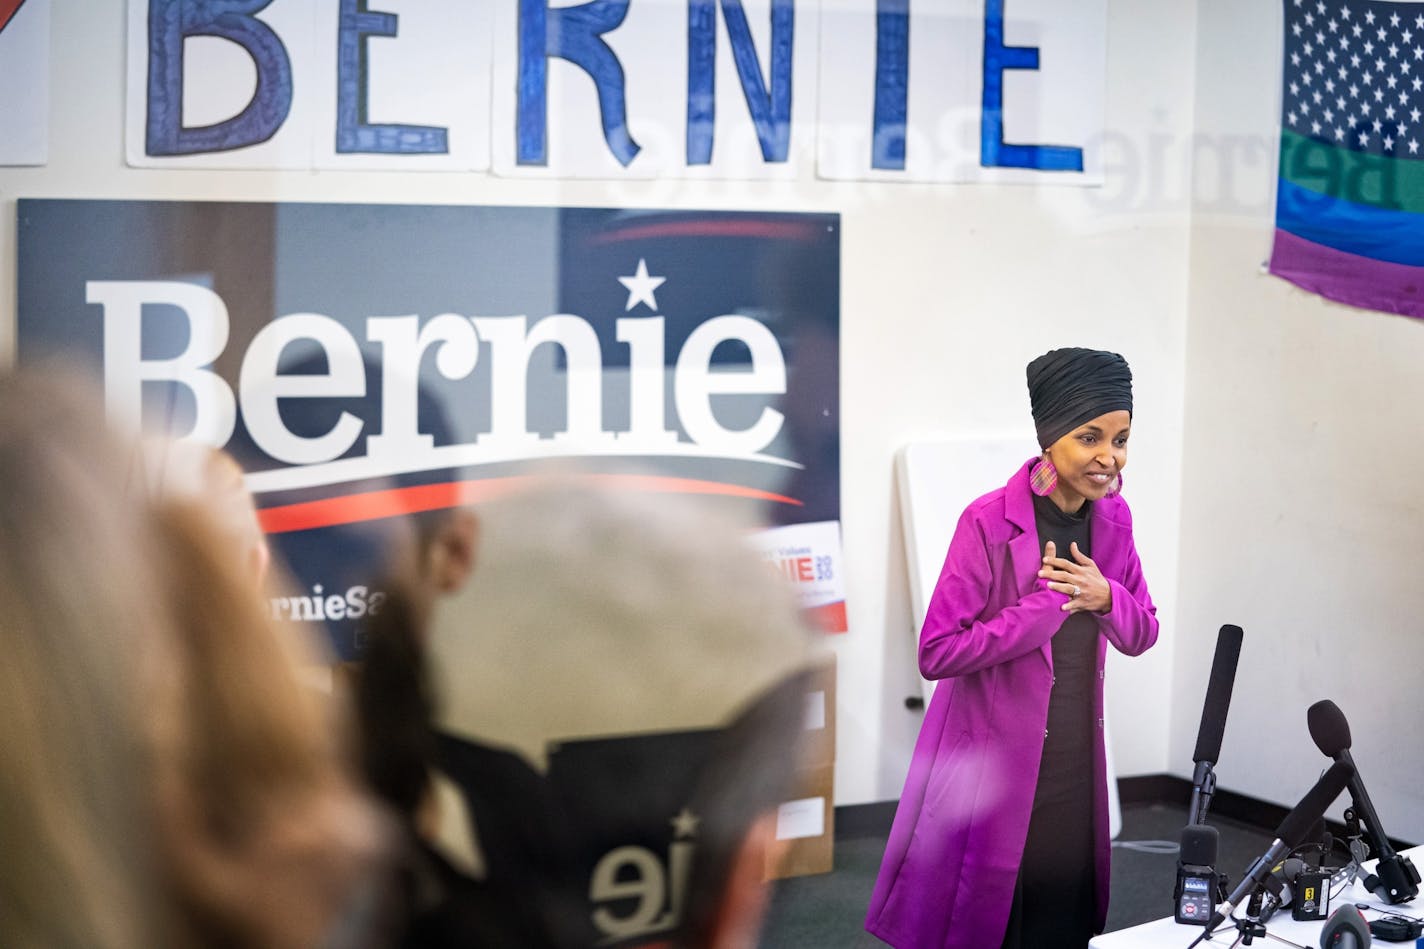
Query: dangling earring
[
  {"x": 1043, "y": 478},
  {"x": 1116, "y": 486}
]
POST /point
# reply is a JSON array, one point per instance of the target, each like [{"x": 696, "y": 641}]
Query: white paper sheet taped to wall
[
  {"x": 815, "y": 710},
  {"x": 803, "y": 818}
]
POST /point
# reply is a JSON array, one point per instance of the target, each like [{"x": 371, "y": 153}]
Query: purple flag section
[
  {"x": 1348, "y": 278},
  {"x": 1350, "y": 194}
]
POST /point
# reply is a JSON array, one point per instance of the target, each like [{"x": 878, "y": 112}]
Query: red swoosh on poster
[
  {"x": 369, "y": 506},
  {"x": 7, "y": 10}
]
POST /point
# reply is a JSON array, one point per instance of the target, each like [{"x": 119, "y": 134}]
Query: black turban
[{"x": 1067, "y": 387}]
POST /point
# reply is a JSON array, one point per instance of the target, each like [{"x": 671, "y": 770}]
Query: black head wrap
[{"x": 1067, "y": 387}]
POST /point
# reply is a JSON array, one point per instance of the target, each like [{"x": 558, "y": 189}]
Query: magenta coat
[{"x": 947, "y": 879}]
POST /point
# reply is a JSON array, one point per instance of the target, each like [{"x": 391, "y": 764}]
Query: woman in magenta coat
[{"x": 1001, "y": 835}]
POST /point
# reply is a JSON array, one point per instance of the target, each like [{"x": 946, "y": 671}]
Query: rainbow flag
[{"x": 1350, "y": 201}]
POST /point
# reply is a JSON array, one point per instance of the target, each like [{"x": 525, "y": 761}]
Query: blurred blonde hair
[
  {"x": 269, "y": 836},
  {"x": 165, "y": 778},
  {"x": 84, "y": 654},
  {"x": 183, "y": 471}
]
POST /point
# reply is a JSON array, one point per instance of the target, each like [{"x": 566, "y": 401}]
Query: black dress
[{"x": 1054, "y": 897}]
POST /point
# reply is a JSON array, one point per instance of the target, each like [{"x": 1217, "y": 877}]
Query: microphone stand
[
  {"x": 1395, "y": 879},
  {"x": 1249, "y": 928},
  {"x": 1203, "y": 788},
  {"x": 1355, "y": 844},
  {"x": 1246, "y": 930}
]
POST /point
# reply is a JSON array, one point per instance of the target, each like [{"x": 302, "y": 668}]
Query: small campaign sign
[{"x": 809, "y": 556}]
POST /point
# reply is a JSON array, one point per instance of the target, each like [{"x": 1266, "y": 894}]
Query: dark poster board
[{"x": 445, "y": 349}]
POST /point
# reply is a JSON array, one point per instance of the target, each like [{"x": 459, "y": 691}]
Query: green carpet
[{"x": 827, "y": 911}]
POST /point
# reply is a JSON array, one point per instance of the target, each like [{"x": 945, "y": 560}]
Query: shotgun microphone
[
  {"x": 1289, "y": 835},
  {"x": 1213, "y": 720},
  {"x": 1395, "y": 879},
  {"x": 1199, "y": 885}
]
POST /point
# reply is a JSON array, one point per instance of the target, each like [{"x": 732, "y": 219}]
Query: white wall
[
  {"x": 1303, "y": 515},
  {"x": 947, "y": 292}
]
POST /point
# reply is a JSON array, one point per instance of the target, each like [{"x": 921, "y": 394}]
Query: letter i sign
[{"x": 7, "y": 10}]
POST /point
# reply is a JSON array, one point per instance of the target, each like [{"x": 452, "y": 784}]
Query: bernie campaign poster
[{"x": 368, "y": 364}]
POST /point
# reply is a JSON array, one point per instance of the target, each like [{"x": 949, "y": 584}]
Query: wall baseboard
[
  {"x": 1242, "y": 808},
  {"x": 1154, "y": 789},
  {"x": 865, "y": 820},
  {"x": 873, "y": 820}
]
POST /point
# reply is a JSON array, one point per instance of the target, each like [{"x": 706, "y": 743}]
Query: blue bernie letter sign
[
  {"x": 354, "y": 134},
  {"x": 993, "y": 150},
  {"x": 575, "y": 34},
  {"x": 892, "y": 83},
  {"x": 170, "y": 22},
  {"x": 770, "y": 107}
]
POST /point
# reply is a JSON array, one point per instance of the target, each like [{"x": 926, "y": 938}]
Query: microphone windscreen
[
  {"x": 1199, "y": 845},
  {"x": 1328, "y": 728},
  {"x": 1218, "y": 694},
  {"x": 1283, "y": 880},
  {"x": 1297, "y": 823},
  {"x": 1345, "y": 929}
]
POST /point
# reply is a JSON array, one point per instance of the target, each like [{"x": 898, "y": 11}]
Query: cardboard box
[
  {"x": 805, "y": 822},
  {"x": 806, "y": 827},
  {"x": 818, "y": 745}
]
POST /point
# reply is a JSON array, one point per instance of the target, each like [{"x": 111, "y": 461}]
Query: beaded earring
[{"x": 1043, "y": 478}]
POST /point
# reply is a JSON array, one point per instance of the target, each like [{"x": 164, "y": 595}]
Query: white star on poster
[
  {"x": 684, "y": 824},
  {"x": 641, "y": 286}
]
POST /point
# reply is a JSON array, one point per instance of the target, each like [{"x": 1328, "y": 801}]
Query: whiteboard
[{"x": 937, "y": 480}]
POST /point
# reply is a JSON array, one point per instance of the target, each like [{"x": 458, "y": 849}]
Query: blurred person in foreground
[
  {"x": 189, "y": 473},
  {"x": 86, "y": 663},
  {"x": 167, "y": 781},
  {"x": 617, "y": 697},
  {"x": 267, "y": 832}
]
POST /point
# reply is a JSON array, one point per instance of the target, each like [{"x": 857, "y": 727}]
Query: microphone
[
  {"x": 1199, "y": 886},
  {"x": 1294, "y": 883},
  {"x": 1289, "y": 834},
  {"x": 1395, "y": 879},
  {"x": 1321, "y": 841},
  {"x": 1281, "y": 884},
  {"x": 1213, "y": 720},
  {"x": 1345, "y": 930},
  {"x": 1298, "y": 882}
]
